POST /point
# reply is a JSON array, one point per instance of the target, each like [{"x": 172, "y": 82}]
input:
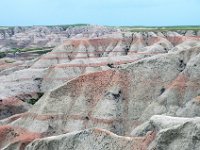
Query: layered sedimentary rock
[{"x": 112, "y": 81}]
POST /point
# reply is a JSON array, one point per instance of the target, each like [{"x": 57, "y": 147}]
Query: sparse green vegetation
[
  {"x": 3, "y": 28},
  {"x": 2, "y": 54},
  {"x": 157, "y": 29},
  {"x": 9, "y": 61},
  {"x": 32, "y": 101},
  {"x": 39, "y": 50},
  {"x": 28, "y": 49},
  {"x": 42, "y": 52},
  {"x": 69, "y": 26}
]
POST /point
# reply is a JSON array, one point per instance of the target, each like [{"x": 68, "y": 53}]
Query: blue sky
[{"x": 101, "y": 12}]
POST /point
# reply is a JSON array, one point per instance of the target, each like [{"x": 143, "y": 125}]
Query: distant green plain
[{"x": 159, "y": 28}]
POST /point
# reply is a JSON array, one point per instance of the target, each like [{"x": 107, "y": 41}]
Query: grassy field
[
  {"x": 69, "y": 26},
  {"x": 157, "y": 29},
  {"x": 3, "y": 28},
  {"x": 32, "y": 49},
  {"x": 39, "y": 50}
]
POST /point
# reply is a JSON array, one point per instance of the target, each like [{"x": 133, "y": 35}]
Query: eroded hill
[{"x": 100, "y": 81}]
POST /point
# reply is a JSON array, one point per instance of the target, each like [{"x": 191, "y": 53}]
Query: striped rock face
[{"x": 76, "y": 95}]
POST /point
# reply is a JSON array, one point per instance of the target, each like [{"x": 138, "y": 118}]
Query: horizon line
[{"x": 88, "y": 24}]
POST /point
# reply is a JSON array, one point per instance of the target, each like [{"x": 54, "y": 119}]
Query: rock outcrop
[{"x": 172, "y": 132}]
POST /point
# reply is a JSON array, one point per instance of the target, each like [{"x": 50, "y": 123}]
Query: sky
[{"x": 100, "y": 12}]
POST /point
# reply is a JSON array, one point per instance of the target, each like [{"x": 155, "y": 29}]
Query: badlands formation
[{"x": 100, "y": 89}]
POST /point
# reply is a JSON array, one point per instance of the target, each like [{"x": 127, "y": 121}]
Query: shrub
[
  {"x": 2, "y": 54},
  {"x": 32, "y": 101}
]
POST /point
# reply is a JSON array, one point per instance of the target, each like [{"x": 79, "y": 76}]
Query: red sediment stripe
[
  {"x": 150, "y": 136},
  {"x": 68, "y": 57},
  {"x": 90, "y": 64},
  {"x": 10, "y": 101},
  {"x": 12, "y": 118},
  {"x": 56, "y": 57},
  {"x": 96, "y": 64},
  {"x": 11, "y": 65},
  {"x": 180, "y": 82},
  {"x": 87, "y": 57},
  {"x": 19, "y": 134},
  {"x": 44, "y": 78},
  {"x": 106, "y": 121},
  {"x": 76, "y": 42},
  {"x": 77, "y": 117},
  {"x": 97, "y": 52},
  {"x": 95, "y": 41},
  {"x": 175, "y": 84}
]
